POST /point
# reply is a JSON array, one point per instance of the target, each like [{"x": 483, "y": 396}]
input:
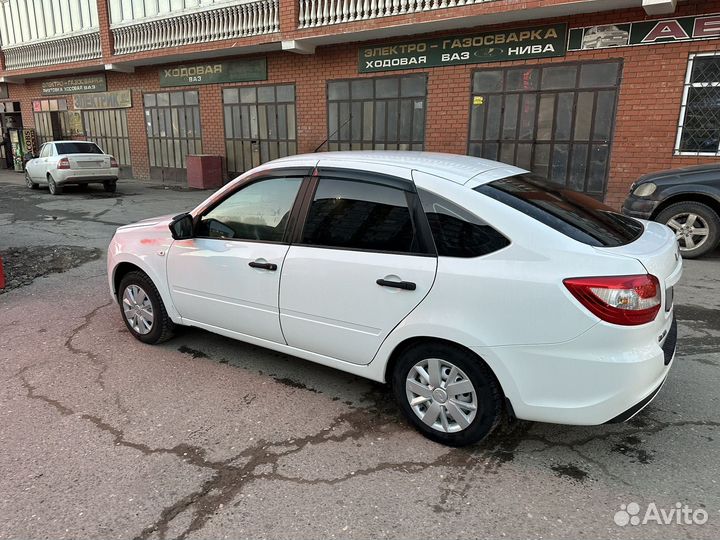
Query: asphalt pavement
[{"x": 204, "y": 437}]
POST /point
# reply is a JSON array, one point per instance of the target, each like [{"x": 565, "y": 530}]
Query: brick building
[{"x": 590, "y": 94}]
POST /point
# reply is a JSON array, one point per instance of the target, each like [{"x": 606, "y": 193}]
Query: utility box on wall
[{"x": 204, "y": 171}]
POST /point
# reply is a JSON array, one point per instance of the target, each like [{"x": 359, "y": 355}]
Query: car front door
[
  {"x": 227, "y": 276},
  {"x": 37, "y": 168},
  {"x": 361, "y": 263}
]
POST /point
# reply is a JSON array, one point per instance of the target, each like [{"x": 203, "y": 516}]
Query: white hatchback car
[
  {"x": 470, "y": 285},
  {"x": 71, "y": 162}
]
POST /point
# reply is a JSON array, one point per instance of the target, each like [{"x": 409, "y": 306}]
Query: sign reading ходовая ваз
[
  {"x": 537, "y": 42},
  {"x": 227, "y": 71}
]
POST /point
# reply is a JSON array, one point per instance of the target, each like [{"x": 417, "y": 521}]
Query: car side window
[
  {"x": 256, "y": 212},
  {"x": 457, "y": 232},
  {"x": 45, "y": 150},
  {"x": 360, "y": 215}
]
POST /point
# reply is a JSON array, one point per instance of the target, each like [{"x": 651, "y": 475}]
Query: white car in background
[
  {"x": 71, "y": 162},
  {"x": 470, "y": 285}
]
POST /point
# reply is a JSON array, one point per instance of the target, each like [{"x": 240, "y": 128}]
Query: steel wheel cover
[
  {"x": 138, "y": 309},
  {"x": 691, "y": 230},
  {"x": 441, "y": 395}
]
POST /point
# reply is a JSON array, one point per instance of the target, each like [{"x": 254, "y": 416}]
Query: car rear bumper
[
  {"x": 639, "y": 406},
  {"x": 85, "y": 176},
  {"x": 605, "y": 375},
  {"x": 639, "y": 208}
]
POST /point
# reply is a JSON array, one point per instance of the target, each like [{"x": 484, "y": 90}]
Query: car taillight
[
  {"x": 64, "y": 163},
  {"x": 624, "y": 300},
  {"x": 113, "y": 162}
]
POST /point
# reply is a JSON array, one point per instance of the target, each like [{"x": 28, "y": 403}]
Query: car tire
[
  {"x": 468, "y": 371},
  {"x": 29, "y": 183},
  {"x": 110, "y": 186},
  {"x": 135, "y": 288},
  {"x": 54, "y": 188},
  {"x": 685, "y": 218}
]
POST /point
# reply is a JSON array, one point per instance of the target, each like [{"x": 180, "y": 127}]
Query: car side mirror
[{"x": 181, "y": 227}]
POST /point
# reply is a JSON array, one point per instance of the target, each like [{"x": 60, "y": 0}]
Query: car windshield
[
  {"x": 78, "y": 148},
  {"x": 576, "y": 215}
]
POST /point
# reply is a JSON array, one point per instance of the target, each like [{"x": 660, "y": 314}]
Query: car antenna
[{"x": 333, "y": 133}]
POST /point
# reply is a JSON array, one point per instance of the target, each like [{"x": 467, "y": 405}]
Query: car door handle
[
  {"x": 405, "y": 285},
  {"x": 264, "y": 265}
]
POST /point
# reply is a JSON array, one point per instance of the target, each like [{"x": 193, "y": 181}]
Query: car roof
[
  {"x": 453, "y": 167},
  {"x": 64, "y": 141}
]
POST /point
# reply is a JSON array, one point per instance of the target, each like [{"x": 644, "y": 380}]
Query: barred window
[{"x": 699, "y": 131}]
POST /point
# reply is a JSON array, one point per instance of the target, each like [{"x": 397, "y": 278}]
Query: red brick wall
[{"x": 646, "y": 123}]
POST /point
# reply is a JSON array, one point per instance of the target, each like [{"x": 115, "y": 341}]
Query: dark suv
[{"x": 687, "y": 200}]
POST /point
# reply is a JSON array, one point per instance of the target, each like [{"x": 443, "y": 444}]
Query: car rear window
[
  {"x": 78, "y": 148},
  {"x": 575, "y": 215}
]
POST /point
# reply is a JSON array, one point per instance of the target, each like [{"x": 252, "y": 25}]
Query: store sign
[
  {"x": 645, "y": 33},
  {"x": 522, "y": 44},
  {"x": 74, "y": 85},
  {"x": 75, "y": 125},
  {"x": 215, "y": 72},
  {"x": 120, "y": 99}
]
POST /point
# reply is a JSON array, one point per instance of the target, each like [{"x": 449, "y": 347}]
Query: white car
[
  {"x": 470, "y": 285},
  {"x": 71, "y": 162}
]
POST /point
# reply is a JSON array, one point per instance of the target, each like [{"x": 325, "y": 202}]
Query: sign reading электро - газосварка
[{"x": 537, "y": 42}]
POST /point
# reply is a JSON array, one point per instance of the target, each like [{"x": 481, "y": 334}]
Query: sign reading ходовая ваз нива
[{"x": 519, "y": 44}]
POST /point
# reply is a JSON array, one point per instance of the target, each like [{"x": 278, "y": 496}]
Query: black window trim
[
  {"x": 421, "y": 226},
  {"x": 291, "y": 172}
]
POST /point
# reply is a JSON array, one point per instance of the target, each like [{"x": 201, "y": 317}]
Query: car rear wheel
[
  {"x": 110, "y": 186},
  {"x": 143, "y": 310},
  {"x": 447, "y": 393},
  {"x": 54, "y": 188},
  {"x": 696, "y": 227},
  {"x": 29, "y": 183}
]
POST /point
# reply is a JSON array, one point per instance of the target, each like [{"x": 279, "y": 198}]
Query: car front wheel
[
  {"x": 143, "y": 310},
  {"x": 447, "y": 393},
  {"x": 29, "y": 183},
  {"x": 696, "y": 227}
]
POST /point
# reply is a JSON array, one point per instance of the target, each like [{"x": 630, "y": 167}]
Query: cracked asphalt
[{"x": 203, "y": 437}]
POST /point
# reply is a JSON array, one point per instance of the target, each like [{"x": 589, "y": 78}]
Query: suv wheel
[
  {"x": 696, "y": 227},
  {"x": 143, "y": 310},
  {"x": 54, "y": 188},
  {"x": 447, "y": 393}
]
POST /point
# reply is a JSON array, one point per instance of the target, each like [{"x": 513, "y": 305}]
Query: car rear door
[
  {"x": 362, "y": 261},
  {"x": 227, "y": 276}
]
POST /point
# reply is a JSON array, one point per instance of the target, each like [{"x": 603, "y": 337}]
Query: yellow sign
[
  {"x": 120, "y": 99},
  {"x": 478, "y": 100},
  {"x": 75, "y": 123}
]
